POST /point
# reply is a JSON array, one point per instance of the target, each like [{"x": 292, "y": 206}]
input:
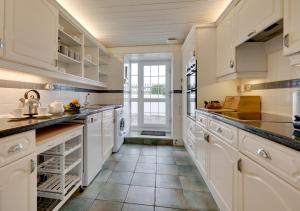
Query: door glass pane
[
  {"x": 134, "y": 93},
  {"x": 134, "y": 81},
  {"x": 134, "y": 69},
  {"x": 162, "y": 70},
  {"x": 147, "y": 81},
  {"x": 134, "y": 113},
  {"x": 147, "y": 71},
  {"x": 154, "y": 70}
]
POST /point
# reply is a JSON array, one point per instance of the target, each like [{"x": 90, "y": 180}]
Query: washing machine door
[{"x": 122, "y": 126}]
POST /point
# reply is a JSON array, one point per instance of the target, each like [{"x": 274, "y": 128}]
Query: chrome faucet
[{"x": 86, "y": 101}]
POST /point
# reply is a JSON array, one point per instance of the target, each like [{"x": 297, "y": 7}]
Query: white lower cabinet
[
  {"x": 202, "y": 150},
  {"x": 260, "y": 190},
  {"x": 18, "y": 185},
  {"x": 223, "y": 173},
  {"x": 107, "y": 133}
]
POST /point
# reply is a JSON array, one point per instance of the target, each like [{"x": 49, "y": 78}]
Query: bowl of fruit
[{"x": 73, "y": 106}]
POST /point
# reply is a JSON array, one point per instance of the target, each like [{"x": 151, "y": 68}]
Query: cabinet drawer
[
  {"x": 201, "y": 119},
  {"x": 280, "y": 160},
  {"x": 227, "y": 133},
  {"x": 16, "y": 146}
]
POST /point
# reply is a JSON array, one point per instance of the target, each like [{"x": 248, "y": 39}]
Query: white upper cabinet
[
  {"x": 1, "y": 26},
  {"x": 31, "y": 33},
  {"x": 253, "y": 16},
  {"x": 226, "y": 38},
  {"x": 291, "y": 26},
  {"x": 261, "y": 190}
]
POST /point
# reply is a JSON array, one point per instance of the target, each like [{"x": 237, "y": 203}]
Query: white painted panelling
[{"x": 142, "y": 22}]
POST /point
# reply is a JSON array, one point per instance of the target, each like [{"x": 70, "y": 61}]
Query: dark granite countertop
[
  {"x": 276, "y": 128},
  {"x": 9, "y": 127}
]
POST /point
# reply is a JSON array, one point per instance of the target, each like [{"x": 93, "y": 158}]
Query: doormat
[{"x": 153, "y": 133}]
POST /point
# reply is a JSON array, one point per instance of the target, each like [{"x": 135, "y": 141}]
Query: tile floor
[{"x": 141, "y": 177}]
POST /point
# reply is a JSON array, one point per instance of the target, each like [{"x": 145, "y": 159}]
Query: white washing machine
[{"x": 119, "y": 129}]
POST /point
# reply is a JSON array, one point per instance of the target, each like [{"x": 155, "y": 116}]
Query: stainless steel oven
[{"x": 191, "y": 77}]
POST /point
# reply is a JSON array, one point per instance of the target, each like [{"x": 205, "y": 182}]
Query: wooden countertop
[{"x": 49, "y": 133}]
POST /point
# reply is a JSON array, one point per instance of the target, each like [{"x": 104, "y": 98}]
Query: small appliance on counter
[
  {"x": 31, "y": 102},
  {"x": 296, "y": 109}
]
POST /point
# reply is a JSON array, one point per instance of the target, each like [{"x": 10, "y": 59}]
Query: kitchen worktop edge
[
  {"x": 268, "y": 130},
  {"x": 8, "y": 127}
]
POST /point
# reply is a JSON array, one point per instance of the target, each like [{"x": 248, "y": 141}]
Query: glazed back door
[{"x": 155, "y": 95}]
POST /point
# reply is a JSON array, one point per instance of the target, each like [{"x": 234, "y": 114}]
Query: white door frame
[{"x": 141, "y": 100}]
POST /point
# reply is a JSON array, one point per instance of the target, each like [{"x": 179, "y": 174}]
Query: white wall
[
  {"x": 276, "y": 101},
  {"x": 176, "y": 75}
]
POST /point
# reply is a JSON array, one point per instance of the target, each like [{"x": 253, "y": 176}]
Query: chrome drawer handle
[
  {"x": 15, "y": 148},
  {"x": 219, "y": 130},
  {"x": 263, "y": 153}
]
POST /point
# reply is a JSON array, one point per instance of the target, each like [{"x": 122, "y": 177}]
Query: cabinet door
[
  {"x": 107, "y": 136},
  {"x": 291, "y": 26},
  {"x": 223, "y": 174},
  {"x": 261, "y": 190},
  {"x": 1, "y": 26},
  {"x": 18, "y": 189},
  {"x": 226, "y": 38},
  {"x": 31, "y": 33},
  {"x": 253, "y": 16},
  {"x": 202, "y": 150}
]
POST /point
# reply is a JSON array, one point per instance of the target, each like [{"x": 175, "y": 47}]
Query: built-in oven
[{"x": 191, "y": 77}]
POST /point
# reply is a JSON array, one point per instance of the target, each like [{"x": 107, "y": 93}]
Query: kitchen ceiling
[{"x": 119, "y": 23}]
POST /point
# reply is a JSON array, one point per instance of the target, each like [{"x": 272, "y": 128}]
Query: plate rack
[{"x": 59, "y": 163}]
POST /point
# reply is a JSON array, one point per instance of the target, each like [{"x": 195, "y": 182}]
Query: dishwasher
[{"x": 92, "y": 147}]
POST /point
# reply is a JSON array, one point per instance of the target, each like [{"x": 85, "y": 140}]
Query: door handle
[
  {"x": 286, "y": 40},
  {"x": 33, "y": 166},
  {"x": 206, "y": 137},
  {"x": 252, "y": 33},
  {"x": 1, "y": 43}
]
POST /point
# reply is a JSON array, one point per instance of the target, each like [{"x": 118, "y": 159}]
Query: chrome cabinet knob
[{"x": 15, "y": 148}]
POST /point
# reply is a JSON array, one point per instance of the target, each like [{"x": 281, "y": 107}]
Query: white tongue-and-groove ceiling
[{"x": 119, "y": 23}]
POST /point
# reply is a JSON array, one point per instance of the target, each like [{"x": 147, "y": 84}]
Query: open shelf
[
  {"x": 53, "y": 164},
  {"x": 51, "y": 187},
  {"x": 67, "y": 39},
  {"x": 88, "y": 63},
  {"x": 66, "y": 59}
]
